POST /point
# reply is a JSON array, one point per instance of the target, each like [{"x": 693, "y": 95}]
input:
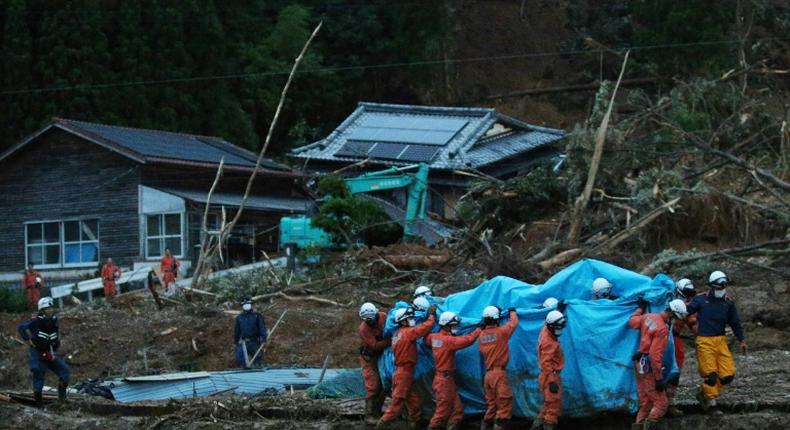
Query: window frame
[
  {"x": 162, "y": 237},
  {"x": 62, "y": 243}
]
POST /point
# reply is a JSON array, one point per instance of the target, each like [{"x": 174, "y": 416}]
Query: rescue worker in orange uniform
[
  {"x": 449, "y": 409},
  {"x": 372, "y": 344},
  {"x": 493, "y": 343},
  {"x": 404, "y": 347},
  {"x": 654, "y": 336},
  {"x": 110, "y": 273},
  {"x": 32, "y": 282},
  {"x": 551, "y": 361},
  {"x": 169, "y": 267},
  {"x": 684, "y": 290}
]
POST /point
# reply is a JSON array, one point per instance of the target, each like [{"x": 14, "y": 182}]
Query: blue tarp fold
[{"x": 597, "y": 342}]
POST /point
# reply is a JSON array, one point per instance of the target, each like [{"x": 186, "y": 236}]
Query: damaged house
[
  {"x": 456, "y": 143},
  {"x": 75, "y": 193}
]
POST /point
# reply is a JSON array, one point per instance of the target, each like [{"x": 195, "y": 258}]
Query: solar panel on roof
[
  {"x": 419, "y": 153},
  {"x": 413, "y": 122},
  {"x": 424, "y": 130},
  {"x": 388, "y": 150},
  {"x": 355, "y": 149}
]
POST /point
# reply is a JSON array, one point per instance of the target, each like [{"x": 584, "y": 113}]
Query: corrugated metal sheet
[
  {"x": 202, "y": 384},
  {"x": 467, "y": 147},
  {"x": 270, "y": 203}
]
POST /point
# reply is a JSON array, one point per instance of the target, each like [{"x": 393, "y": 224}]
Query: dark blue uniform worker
[
  {"x": 250, "y": 332},
  {"x": 43, "y": 334}
]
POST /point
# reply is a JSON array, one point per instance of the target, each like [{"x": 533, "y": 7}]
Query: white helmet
[
  {"x": 556, "y": 321},
  {"x": 38, "y": 279},
  {"x": 422, "y": 290},
  {"x": 684, "y": 288},
  {"x": 421, "y": 303},
  {"x": 601, "y": 288},
  {"x": 403, "y": 314},
  {"x": 491, "y": 312},
  {"x": 678, "y": 309},
  {"x": 448, "y": 318},
  {"x": 368, "y": 311},
  {"x": 551, "y": 302},
  {"x": 718, "y": 279},
  {"x": 44, "y": 302}
]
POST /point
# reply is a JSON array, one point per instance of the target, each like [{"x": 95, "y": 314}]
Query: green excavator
[{"x": 300, "y": 233}]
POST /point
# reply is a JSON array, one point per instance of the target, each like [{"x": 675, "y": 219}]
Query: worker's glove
[
  {"x": 432, "y": 310},
  {"x": 636, "y": 357},
  {"x": 642, "y": 304},
  {"x": 511, "y": 309},
  {"x": 554, "y": 387},
  {"x": 660, "y": 385},
  {"x": 481, "y": 325},
  {"x": 561, "y": 305}
]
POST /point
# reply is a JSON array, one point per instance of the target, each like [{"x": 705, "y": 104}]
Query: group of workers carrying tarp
[{"x": 705, "y": 315}]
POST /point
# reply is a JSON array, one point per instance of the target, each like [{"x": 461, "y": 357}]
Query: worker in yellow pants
[
  {"x": 714, "y": 358},
  {"x": 716, "y": 365}
]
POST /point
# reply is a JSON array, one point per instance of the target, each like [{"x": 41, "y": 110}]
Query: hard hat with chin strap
[
  {"x": 718, "y": 279},
  {"x": 368, "y": 311},
  {"x": 422, "y": 290},
  {"x": 492, "y": 313},
  {"x": 685, "y": 287},
  {"x": 404, "y": 314},
  {"x": 678, "y": 309},
  {"x": 449, "y": 319},
  {"x": 421, "y": 303},
  {"x": 44, "y": 302},
  {"x": 550, "y": 302},
  {"x": 601, "y": 287}
]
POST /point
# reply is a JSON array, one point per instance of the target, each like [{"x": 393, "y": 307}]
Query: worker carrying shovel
[{"x": 248, "y": 336}]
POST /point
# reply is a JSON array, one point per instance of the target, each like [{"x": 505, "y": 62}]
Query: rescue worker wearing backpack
[
  {"x": 493, "y": 343},
  {"x": 444, "y": 344},
  {"x": 43, "y": 335},
  {"x": 654, "y": 335},
  {"x": 372, "y": 345},
  {"x": 551, "y": 361},
  {"x": 715, "y": 311},
  {"x": 404, "y": 347}
]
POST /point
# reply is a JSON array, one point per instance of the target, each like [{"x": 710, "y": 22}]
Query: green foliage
[
  {"x": 12, "y": 300},
  {"x": 696, "y": 269},
  {"x": 349, "y": 218},
  {"x": 84, "y": 44}
]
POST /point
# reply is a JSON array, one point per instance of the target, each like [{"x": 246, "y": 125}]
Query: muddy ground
[{"x": 108, "y": 339}]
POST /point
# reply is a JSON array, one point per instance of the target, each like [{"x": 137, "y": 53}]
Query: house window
[
  {"x": 80, "y": 242},
  {"x": 62, "y": 243},
  {"x": 163, "y": 231}
]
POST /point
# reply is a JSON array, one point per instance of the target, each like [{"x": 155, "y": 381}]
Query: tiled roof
[
  {"x": 444, "y": 137},
  {"x": 168, "y": 145}
]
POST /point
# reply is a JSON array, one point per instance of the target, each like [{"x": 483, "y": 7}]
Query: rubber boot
[
  {"x": 500, "y": 425},
  {"x": 547, "y": 426},
  {"x": 453, "y": 426},
  {"x": 650, "y": 425},
  {"x": 62, "y": 391},
  {"x": 487, "y": 425},
  {"x": 703, "y": 401},
  {"x": 537, "y": 424},
  {"x": 637, "y": 426},
  {"x": 415, "y": 425},
  {"x": 38, "y": 398}
]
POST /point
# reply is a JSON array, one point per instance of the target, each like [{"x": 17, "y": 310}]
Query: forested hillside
[{"x": 212, "y": 67}]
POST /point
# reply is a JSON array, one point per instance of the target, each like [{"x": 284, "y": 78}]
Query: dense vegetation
[{"x": 99, "y": 52}]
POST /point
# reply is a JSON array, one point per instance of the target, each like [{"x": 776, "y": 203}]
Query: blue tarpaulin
[{"x": 598, "y": 345}]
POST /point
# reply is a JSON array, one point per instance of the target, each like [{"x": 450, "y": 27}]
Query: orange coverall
[
  {"x": 405, "y": 350},
  {"x": 551, "y": 361},
  {"x": 680, "y": 351},
  {"x": 109, "y": 272},
  {"x": 493, "y": 342},
  {"x": 448, "y": 402},
  {"x": 654, "y": 336},
  {"x": 32, "y": 291},
  {"x": 169, "y": 266},
  {"x": 371, "y": 346}
]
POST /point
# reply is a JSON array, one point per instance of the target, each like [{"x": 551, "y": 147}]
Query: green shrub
[{"x": 12, "y": 300}]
